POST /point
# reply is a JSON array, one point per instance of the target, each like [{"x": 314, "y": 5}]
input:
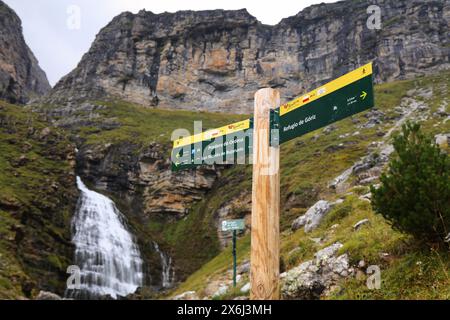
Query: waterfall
[
  {"x": 168, "y": 273},
  {"x": 105, "y": 251}
]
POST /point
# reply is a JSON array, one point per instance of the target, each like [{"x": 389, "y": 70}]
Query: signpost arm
[{"x": 265, "y": 232}]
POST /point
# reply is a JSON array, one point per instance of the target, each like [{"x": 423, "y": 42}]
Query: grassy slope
[
  {"x": 306, "y": 168},
  {"x": 149, "y": 125},
  {"x": 308, "y": 164},
  {"x": 35, "y": 204}
]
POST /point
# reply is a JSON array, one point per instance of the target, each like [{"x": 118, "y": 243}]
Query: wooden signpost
[
  {"x": 265, "y": 240},
  {"x": 261, "y": 136}
]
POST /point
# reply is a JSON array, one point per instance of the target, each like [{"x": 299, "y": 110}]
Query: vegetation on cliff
[{"x": 37, "y": 199}]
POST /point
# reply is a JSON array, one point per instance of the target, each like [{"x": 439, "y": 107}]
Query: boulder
[
  {"x": 442, "y": 140},
  {"x": 314, "y": 278},
  {"x": 302, "y": 283},
  {"x": 311, "y": 219}
]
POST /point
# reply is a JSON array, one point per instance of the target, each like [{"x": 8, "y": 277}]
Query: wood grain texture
[{"x": 265, "y": 237}]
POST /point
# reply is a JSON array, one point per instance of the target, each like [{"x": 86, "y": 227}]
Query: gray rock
[
  {"x": 361, "y": 264},
  {"x": 442, "y": 140},
  {"x": 340, "y": 180},
  {"x": 44, "y": 295},
  {"x": 246, "y": 288},
  {"x": 223, "y": 288},
  {"x": 329, "y": 129},
  {"x": 359, "y": 224},
  {"x": 366, "y": 197},
  {"x": 311, "y": 219},
  {"x": 375, "y": 117},
  {"x": 244, "y": 267},
  {"x": 302, "y": 286},
  {"x": 442, "y": 111},
  {"x": 317, "y": 277},
  {"x": 328, "y": 252},
  {"x": 189, "y": 295},
  {"x": 21, "y": 78}
]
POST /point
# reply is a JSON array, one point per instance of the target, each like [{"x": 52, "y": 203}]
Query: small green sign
[{"x": 231, "y": 225}]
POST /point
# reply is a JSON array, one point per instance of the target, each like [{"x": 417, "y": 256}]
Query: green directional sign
[
  {"x": 229, "y": 144},
  {"x": 231, "y": 225},
  {"x": 232, "y": 144},
  {"x": 339, "y": 99}
]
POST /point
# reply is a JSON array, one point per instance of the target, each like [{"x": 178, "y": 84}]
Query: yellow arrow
[{"x": 363, "y": 95}]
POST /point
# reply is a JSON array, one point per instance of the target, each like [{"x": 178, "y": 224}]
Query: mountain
[
  {"x": 97, "y": 124},
  {"x": 216, "y": 60},
  {"x": 21, "y": 78}
]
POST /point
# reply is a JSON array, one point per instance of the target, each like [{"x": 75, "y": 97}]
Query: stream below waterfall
[{"x": 168, "y": 272}]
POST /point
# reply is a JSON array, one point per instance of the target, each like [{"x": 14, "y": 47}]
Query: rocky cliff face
[
  {"x": 144, "y": 178},
  {"x": 216, "y": 60},
  {"x": 21, "y": 78}
]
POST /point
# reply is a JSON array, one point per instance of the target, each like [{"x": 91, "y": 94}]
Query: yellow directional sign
[
  {"x": 327, "y": 89},
  {"x": 213, "y": 146},
  {"x": 213, "y": 133},
  {"x": 341, "y": 98}
]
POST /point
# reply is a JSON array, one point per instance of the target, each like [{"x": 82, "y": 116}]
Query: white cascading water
[
  {"x": 168, "y": 273},
  {"x": 105, "y": 251}
]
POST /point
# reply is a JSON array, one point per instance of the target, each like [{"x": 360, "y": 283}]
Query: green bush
[{"x": 414, "y": 195}]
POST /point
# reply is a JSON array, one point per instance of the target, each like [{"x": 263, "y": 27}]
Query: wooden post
[{"x": 265, "y": 237}]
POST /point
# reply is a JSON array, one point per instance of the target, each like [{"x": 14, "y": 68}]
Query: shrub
[{"x": 414, "y": 195}]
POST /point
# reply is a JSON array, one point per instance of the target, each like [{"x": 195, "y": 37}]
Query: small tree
[{"x": 414, "y": 195}]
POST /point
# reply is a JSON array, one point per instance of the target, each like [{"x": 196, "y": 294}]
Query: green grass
[
  {"x": 36, "y": 202},
  {"x": 218, "y": 265},
  {"x": 145, "y": 125},
  {"x": 413, "y": 275}
]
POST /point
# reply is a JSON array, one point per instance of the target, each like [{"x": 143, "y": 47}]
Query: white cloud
[{"x": 59, "y": 49}]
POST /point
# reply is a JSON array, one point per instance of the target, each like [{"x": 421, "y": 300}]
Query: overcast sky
[{"x": 59, "y": 39}]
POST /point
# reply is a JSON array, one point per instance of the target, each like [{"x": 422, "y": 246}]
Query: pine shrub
[{"x": 414, "y": 194}]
